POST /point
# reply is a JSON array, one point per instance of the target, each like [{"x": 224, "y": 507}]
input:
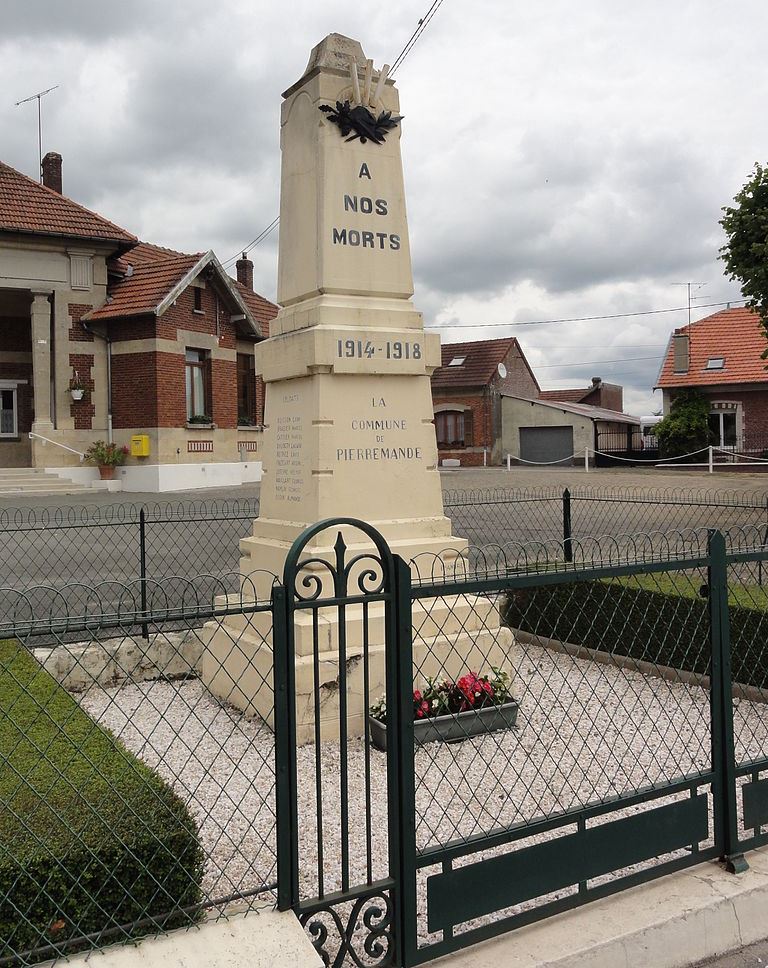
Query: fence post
[
  {"x": 711, "y": 459},
  {"x": 143, "y": 570},
  {"x": 286, "y": 807},
  {"x": 586, "y": 459},
  {"x": 721, "y": 702},
  {"x": 567, "y": 544},
  {"x": 765, "y": 543},
  {"x": 400, "y": 719}
]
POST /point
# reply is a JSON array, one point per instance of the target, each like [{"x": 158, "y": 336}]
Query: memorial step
[{"x": 22, "y": 481}]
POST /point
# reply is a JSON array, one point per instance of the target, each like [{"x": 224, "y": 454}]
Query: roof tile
[
  {"x": 481, "y": 359},
  {"x": 734, "y": 334},
  {"x": 26, "y": 206}
]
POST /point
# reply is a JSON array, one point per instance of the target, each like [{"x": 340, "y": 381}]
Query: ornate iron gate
[{"x": 335, "y": 616}]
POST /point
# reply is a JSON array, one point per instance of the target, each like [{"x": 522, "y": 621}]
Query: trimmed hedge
[
  {"x": 90, "y": 837},
  {"x": 655, "y": 618}
]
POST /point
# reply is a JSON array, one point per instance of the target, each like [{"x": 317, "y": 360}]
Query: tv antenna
[
  {"x": 40, "y": 95},
  {"x": 691, "y": 296}
]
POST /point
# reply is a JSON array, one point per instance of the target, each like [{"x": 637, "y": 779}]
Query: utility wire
[
  {"x": 410, "y": 44},
  {"x": 414, "y": 38},
  {"x": 579, "y": 319},
  {"x": 630, "y": 359},
  {"x": 252, "y": 244}
]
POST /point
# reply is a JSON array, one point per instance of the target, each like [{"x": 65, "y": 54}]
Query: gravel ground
[{"x": 585, "y": 731}]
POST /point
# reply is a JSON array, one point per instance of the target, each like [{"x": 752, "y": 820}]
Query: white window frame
[{"x": 718, "y": 409}]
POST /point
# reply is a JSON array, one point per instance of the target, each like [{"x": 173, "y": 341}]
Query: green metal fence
[{"x": 606, "y": 713}]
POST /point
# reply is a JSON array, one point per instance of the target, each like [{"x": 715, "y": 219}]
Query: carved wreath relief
[{"x": 356, "y": 120}]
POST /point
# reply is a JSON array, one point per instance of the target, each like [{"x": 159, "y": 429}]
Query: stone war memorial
[{"x": 349, "y": 425}]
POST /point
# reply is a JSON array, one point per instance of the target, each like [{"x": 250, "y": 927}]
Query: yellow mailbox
[{"x": 140, "y": 445}]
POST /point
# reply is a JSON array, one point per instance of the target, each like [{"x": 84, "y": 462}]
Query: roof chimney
[
  {"x": 244, "y": 268},
  {"x": 682, "y": 352},
  {"x": 51, "y": 165}
]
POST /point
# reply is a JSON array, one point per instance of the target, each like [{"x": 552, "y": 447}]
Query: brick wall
[
  {"x": 183, "y": 316},
  {"x": 135, "y": 390},
  {"x": 519, "y": 381},
  {"x": 149, "y": 389},
  {"x": 83, "y": 411},
  {"x": 77, "y": 331},
  {"x": 223, "y": 393},
  {"x": 481, "y": 415},
  {"x": 754, "y": 404}
]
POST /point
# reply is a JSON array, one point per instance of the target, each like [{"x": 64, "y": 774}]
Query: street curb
[{"x": 264, "y": 938}]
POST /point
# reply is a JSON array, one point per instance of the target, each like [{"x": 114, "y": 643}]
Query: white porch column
[{"x": 41, "y": 360}]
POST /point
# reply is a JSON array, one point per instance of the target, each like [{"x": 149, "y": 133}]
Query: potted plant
[
  {"x": 453, "y": 711},
  {"x": 106, "y": 457},
  {"x": 76, "y": 386},
  {"x": 200, "y": 420}
]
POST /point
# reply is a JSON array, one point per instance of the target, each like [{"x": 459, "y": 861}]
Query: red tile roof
[
  {"x": 733, "y": 334},
  {"x": 148, "y": 285},
  {"x": 262, "y": 310},
  {"x": 573, "y": 395},
  {"x": 26, "y": 206},
  {"x": 154, "y": 271},
  {"x": 481, "y": 359}
]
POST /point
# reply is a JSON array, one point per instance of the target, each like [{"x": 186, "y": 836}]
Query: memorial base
[{"x": 451, "y": 636}]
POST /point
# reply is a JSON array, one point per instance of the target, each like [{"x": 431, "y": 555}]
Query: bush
[
  {"x": 659, "y": 619},
  {"x": 106, "y": 455},
  {"x": 685, "y": 429},
  {"x": 90, "y": 837}
]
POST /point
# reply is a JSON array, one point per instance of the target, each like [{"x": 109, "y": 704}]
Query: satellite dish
[{"x": 502, "y": 370}]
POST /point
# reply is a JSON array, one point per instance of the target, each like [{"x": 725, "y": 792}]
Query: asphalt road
[
  {"x": 60, "y": 541},
  {"x": 753, "y": 956}
]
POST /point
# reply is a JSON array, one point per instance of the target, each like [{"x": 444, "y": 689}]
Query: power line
[
  {"x": 629, "y": 359},
  {"x": 413, "y": 39},
  {"x": 580, "y": 319},
  {"x": 410, "y": 44},
  {"x": 252, "y": 244}
]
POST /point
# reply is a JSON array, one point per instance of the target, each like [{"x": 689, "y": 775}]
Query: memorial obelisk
[
  {"x": 349, "y": 426},
  {"x": 349, "y": 421}
]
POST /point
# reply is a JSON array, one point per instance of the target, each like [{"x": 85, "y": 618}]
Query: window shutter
[{"x": 468, "y": 429}]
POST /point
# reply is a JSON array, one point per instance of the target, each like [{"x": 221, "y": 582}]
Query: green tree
[
  {"x": 685, "y": 428},
  {"x": 746, "y": 252}
]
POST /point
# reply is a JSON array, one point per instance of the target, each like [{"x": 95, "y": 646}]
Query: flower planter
[
  {"x": 454, "y": 727},
  {"x": 77, "y": 394},
  {"x": 106, "y": 472}
]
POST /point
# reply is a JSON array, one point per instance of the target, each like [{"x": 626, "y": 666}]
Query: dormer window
[
  {"x": 715, "y": 363},
  {"x": 457, "y": 361}
]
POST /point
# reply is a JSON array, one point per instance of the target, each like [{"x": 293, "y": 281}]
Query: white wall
[{"x": 158, "y": 478}]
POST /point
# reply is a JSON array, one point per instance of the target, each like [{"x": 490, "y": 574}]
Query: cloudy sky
[{"x": 562, "y": 159}]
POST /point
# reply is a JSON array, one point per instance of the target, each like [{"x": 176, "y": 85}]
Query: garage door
[{"x": 544, "y": 444}]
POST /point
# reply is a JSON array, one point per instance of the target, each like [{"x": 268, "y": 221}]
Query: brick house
[
  {"x": 721, "y": 355},
  {"x": 162, "y": 341},
  {"x": 466, "y": 397},
  {"x": 608, "y": 396}
]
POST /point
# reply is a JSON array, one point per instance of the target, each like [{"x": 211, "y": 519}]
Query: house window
[
  {"x": 722, "y": 426},
  {"x": 246, "y": 389},
  {"x": 198, "y": 296},
  {"x": 8, "y": 413},
  {"x": 452, "y": 428},
  {"x": 715, "y": 363},
  {"x": 457, "y": 361},
  {"x": 198, "y": 383}
]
